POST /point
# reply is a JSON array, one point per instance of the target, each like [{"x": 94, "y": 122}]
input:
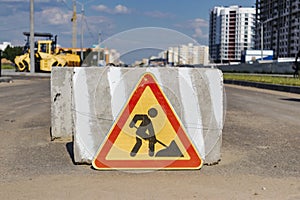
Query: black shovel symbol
[{"x": 170, "y": 151}]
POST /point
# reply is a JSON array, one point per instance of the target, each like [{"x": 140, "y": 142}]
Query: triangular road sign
[{"x": 147, "y": 134}]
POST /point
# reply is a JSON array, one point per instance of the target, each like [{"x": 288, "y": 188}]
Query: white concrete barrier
[
  {"x": 62, "y": 123},
  {"x": 86, "y": 102}
]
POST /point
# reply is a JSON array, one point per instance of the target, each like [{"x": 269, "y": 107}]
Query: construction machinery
[{"x": 47, "y": 55}]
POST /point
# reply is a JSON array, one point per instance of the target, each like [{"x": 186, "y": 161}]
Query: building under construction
[{"x": 278, "y": 23}]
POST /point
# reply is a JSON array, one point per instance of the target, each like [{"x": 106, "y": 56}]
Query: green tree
[{"x": 11, "y": 52}]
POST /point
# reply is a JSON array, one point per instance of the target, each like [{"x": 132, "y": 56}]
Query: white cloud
[
  {"x": 198, "y": 22},
  {"x": 55, "y": 20},
  {"x": 98, "y": 23},
  {"x": 54, "y": 16},
  {"x": 197, "y": 25},
  {"x": 118, "y": 9},
  {"x": 102, "y": 8},
  {"x": 198, "y": 33}
]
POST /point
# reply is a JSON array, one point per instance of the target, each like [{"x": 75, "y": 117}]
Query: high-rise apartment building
[
  {"x": 278, "y": 26},
  {"x": 232, "y": 30}
]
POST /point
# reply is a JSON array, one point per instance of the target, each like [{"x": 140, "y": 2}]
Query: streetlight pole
[
  {"x": 81, "y": 43},
  {"x": 74, "y": 26},
  {"x": 32, "y": 67},
  {"x": 262, "y": 40}
]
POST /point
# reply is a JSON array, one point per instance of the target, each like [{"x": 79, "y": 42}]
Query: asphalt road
[
  {"x": 260, "y": 153},
  {"x": 265, "y": 125}
]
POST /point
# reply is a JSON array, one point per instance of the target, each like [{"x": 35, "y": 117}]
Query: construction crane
[{"x": 74, "y": 26}]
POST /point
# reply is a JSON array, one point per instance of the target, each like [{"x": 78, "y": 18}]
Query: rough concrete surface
[
  {"x": 61, "y": 98},
  {"x": 260, "y": 153},
  {"x": 94, "y": 97}
]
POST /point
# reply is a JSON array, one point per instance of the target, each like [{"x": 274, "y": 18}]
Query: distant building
[
  {"x": 202, "y": 55},
  {"x": 187, "y": 54},
  {"x": 4, "y": 45},
  {"x": 231, "y": 31},
  {"x": 101, "y": 57},
  {"x": 280, "y": 23},
  {"x": 112, "y": 56}
]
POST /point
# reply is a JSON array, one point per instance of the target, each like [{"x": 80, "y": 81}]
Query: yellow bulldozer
[{"x": 47, "y": 55}]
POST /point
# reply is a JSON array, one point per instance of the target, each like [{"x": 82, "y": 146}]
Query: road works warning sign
[{"x": 147, "y": 134}]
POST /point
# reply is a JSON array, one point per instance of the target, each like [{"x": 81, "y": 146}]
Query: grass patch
[
  {"x": 264, "y": 79},
  {"x": 7, "y": 66}
]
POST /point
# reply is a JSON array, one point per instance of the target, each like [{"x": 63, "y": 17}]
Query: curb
[
  {"x": 281, "y": 88},
  {"x": 13, "y": 73},
  {"x": 5, "y": 79}
]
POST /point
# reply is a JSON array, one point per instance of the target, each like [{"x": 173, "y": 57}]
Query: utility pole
[
  {"x": 74, "y": 26},
  {"x": 262, "y": 40},
  {"x": 32, "y": 66}
]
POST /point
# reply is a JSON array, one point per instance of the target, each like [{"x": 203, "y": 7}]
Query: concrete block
[
  {"x": 99, "y": 94},
  {"x": 61, "y": 104}
]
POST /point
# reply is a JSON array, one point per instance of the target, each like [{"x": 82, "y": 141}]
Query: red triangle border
[{"x": 100, "y": 161}]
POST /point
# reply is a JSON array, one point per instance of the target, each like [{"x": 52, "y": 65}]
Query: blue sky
[{"x": 109, "y": 17}]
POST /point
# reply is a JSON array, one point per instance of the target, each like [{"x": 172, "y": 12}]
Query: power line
[
  {"x": 65, "y": 3},
  {"x": 89, "y": 30},
  {"x": 83, "y": 17}
]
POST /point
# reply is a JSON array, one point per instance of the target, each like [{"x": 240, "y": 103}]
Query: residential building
[
  {"x": 187, "y": 54},
  {"x": 231, "y": 31},
  {"x": 202, "y": 55},
  {"x": 278, "y": 24}
]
